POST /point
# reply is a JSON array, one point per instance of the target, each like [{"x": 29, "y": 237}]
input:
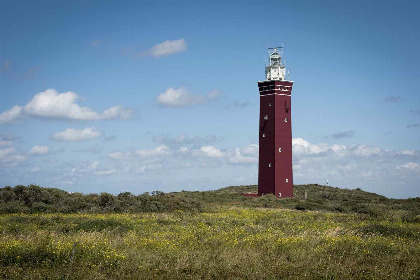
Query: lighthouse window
[
  {"x": 269, "y": 165},
  {"x": 266, "y": 117},
  {"x": 269, "y": 104},
  {"x": 279, "y": 150},
  {"x": 285, "y": 119},
  {"x": 263, "y": 135},
  {"x": 287, "y": 180}
]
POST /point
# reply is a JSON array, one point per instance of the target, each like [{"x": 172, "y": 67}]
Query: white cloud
[
  {"x": 11, "y": 157},
  {"x": 408, "y": 152},
  {"x": 412, "y": 166},
  {"x": 238, "y": 158},
  {"x": 52, "y": 104},
  {"x": 301, "y": 146},
  {"x": 6, "y": 152},
  {"x": 168, "y": 47},
  {"x": 246, "y": 155},
  {"x": 181, "y": 97},
  {"x": 119, "y": 155},
  {"x": 156, "y": 152},
  {"x": 143, "y": 154},
  {"x": 183, "y": 149},
  {"x": 106, "y": 172},
  {"x": 71, "y": 134},
  {"x": 117, "y": 112},
  {"x": 39, "y": 150},
  {"x": 209, "y": 151},
  {"x": 10, "y": 115},
  {"x": 364, "y": 151}
]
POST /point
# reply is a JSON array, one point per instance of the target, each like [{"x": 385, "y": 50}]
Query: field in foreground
[{"x": 220, "y": 243}]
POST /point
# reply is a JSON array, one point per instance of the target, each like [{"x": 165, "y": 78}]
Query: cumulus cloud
[
  {"x": 209, "y": 151},
  {"x": 407, "y": 152},
  {"x": 301, "y": 146},
  {"x": 39, "y": 150},
  {"x": 6, "y": 152},
  {"x": 343, "y": 134},
  {"x": 364, "y": 151},
  {"x": 156, "y": 152},
  {"x": 71, "y": 134},
  {"x": 182, "y": 97},
  {"x": 119, "y": 155},
  {"x": 11, "y": 115},
  {"x": 52, "y": 104},
  {"x": 142, "y": 154},
  {"x": 117, "y": 112},
  {"x": 167, "y": 48},
  {"x": 183, "y": 150},
  {"x": 10, "y": 157},
  {"x": 412, "y": 166},
  {"x": 246, "y": 155}
]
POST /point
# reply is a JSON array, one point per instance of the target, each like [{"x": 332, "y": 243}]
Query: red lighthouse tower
[{"x": 275, "y": 169}]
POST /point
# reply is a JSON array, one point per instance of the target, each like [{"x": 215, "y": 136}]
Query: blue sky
[{"x": 162, "y": 95}]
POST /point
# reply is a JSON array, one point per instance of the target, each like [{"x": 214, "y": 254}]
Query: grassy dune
[
  {"x": 351, "y": 235},
  {"x": 228, "y": 243}
]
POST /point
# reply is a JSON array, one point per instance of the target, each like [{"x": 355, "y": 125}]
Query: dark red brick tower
[{"x": 275, "y": 169}]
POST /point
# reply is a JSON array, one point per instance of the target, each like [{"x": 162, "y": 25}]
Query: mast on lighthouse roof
[{"x": 276, "y": 70}]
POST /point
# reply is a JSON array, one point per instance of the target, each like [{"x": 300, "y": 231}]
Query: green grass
[
  {"x": 227, "y": 243},
  {"x": 334, "y": 234}
]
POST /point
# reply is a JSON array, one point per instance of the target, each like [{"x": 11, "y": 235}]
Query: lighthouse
[{"x": 275, "y": 168}]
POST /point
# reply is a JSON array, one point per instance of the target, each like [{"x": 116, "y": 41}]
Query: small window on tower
[
  {"x": 266, "y": 117},
  {"x": 287, "y": 180},
  {"x": 285, "y": 119},
  {"x": 269, "y": 165},
  {"x": 263, "y": 135},
  {"x": 269, "y": 104},
  {"x": 279, "y": 150}
]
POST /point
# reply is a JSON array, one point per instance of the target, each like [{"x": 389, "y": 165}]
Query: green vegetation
[{"x": 208, "y": 235}]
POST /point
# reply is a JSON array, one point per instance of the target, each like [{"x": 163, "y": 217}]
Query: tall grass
[{"x": 226, "y": 243}]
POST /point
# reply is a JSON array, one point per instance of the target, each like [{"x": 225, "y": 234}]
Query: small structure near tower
[{"x": 275, "y": 169}]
